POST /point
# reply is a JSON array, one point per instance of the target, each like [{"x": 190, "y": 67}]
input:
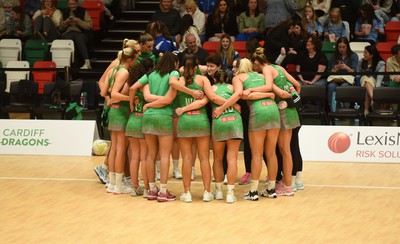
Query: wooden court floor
[{"x": 53, "y": 199}]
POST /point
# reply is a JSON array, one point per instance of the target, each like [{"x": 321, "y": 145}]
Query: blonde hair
[
  {"x": 129, "y": 43},
  {"x": 245, "y": 66},
  {"x": 259, "y": 56},
  {"x": 126, "y": 53},
  {"x": 337, "y": 11},
  {"x": 190, "y": 3}
]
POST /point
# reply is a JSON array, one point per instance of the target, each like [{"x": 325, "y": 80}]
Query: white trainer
[
  {"x": 230, "y": 197},
  {"x": 177, "y": 173},
  {"x": 124, "y": 190},
  {"x": 139, "y": 191},
  {"x": 110, "y": 188},
  {"x": 208, "y": 196},
  {"x": 218, "y": 195},
  {"x": 186, "y": 197}
]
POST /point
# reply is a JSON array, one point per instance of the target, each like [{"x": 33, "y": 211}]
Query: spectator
[
  {"x": 2, "y": 22},
  {"x": 284, "y": 42},
  {"x": 192, "y": 47},
  {"x": 251, "y": 45},
  {"x": 220, "y": 22},
  {"x": 335, "y": 27},
  {"x": 199, "y": 18},
  {"x": 393, "y": 65},
  {"x": 368, "y": 26},
  {"x": 19, "y": 25},
  {"x": 343, "y": 60},
  {"x": 321, "y": 8},
  {"x": 251, "y": 22},
  {"x": 163, "y": 42},
  {"x": 314, "y": 60},
  {"x": 179, "y": 5},
  {"x": 169, "y": 16},
  {"x": 395, "y": 11},
  {"x": 311, "y": 23},
  {"x": 76, "y": 24},
  {"x": 8, "y": 4},
  {"x": 371, "y": 62},
  {"x": 227, "y": 53},
  {"x": 277, "y": 11},
  {"x": 47, "y": 20},
  {"x": 31, "y": 6},
  {"x": 381, "y": 9},
  {"x": 187, "y": 27}
]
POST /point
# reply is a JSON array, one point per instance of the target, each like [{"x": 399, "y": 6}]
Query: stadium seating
[
  {"x": 384, "y": 49},
  {"x": 95, "y": 8},
  {"x": 392, "y": 31}
]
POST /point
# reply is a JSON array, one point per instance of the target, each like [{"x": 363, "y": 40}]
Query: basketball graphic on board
[{"x": 339, "y": 142}]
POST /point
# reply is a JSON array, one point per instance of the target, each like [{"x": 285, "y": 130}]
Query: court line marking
[{"x": 199, "y": 182}]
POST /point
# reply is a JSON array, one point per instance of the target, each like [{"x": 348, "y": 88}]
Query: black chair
[
  {"x": 386, "y": 105},
  {"x": 50, "y": 105},
  {"x": 349, "y": 104},
  {"x": 313, "y": 99},
  {"x": 75, "y": 91},
  {"x": 23, "y": 98}
]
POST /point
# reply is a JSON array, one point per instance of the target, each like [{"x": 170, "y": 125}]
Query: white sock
[
  {"x": 158, "y": 165},
  {"x": 176, "y": 164},
  {"x": 218, "y": 185},
  {"x": 118, "y": 180},
  {"x": 271, "y": 185},
  {"x": 231, "y": 188},
  {"x": 299, "y": 177},
  {"x": 153, "y": 186},
  {"x": 163, "y": 188},
  {"x": 293, "y": 180},
  {"x": 254, "y": 185},
  {"x": 112, "y": 178}
]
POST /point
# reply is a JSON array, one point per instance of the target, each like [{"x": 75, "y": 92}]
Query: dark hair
[
  {"x": 395, "y": 49},
  {"x": 369, "y": 13},
  {"x": 147, "y": 63},
  {"x": 186, "y": 22},
  {"x": 154, "y": 27},
  {"x": 256, "y": 12},
  {"x": 21, "y": 21},
  {"x": 217, "y": 19},
  {"x": 190, "y": 62},
  {"x": 336, "y": 54},
  {"x": 167, "y": 63},
  {"x": 221, "y": 77},
  {"x": 376, "y": 57},
  {"x": 251, "y": 45},
  {"x": 214, "y": 59},
  {"x": 316, "y": 42}
]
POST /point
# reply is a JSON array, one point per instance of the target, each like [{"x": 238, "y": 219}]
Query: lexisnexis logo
[
  {"x": 339, "y": 142},
  {"x": 24, "y": 137}
]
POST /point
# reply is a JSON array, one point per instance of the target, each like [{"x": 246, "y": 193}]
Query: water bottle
[{"x": 83, "y": 100}]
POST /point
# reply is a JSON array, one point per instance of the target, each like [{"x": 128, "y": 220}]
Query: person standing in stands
[
  {"x": 76, "y": 23},
  {"x": 47, "y": 20},
  {"x": 169, "y": 16}
]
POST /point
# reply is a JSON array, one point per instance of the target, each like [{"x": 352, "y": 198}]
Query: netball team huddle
[{"x": 152, "y": 105}]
